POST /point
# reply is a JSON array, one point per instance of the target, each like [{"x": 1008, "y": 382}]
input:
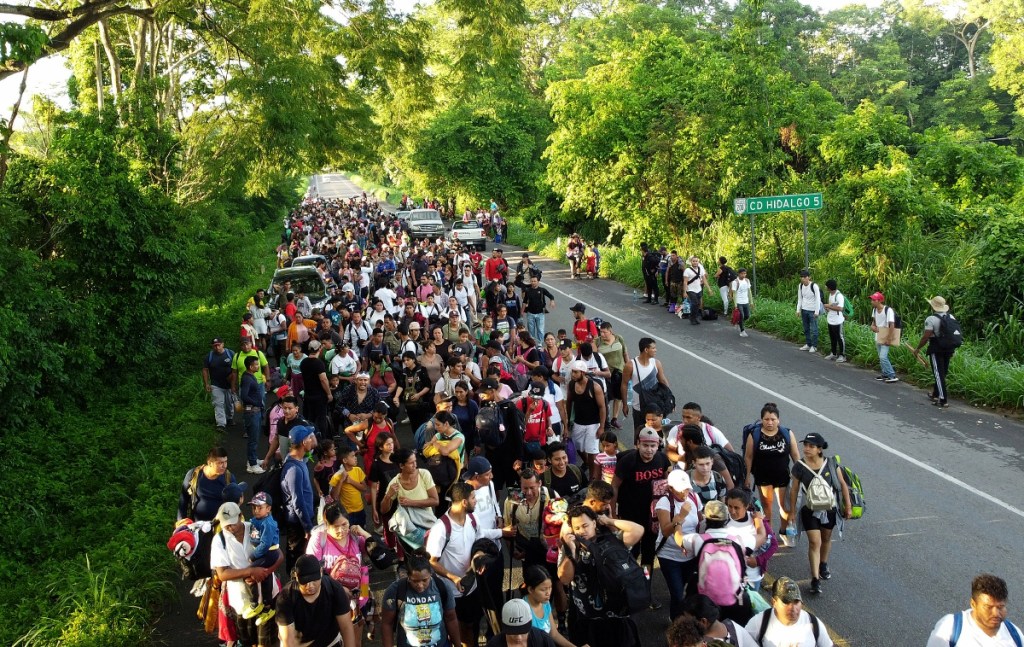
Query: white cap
[
  {"x": 679, "y": 481},
  {"x": 348, "y": 287},
  {"x": 579, "y": 365}
]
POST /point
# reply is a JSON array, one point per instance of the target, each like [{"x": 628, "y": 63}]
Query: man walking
[
  {"x": 742, "y": 295},
  {"x": 694, "y": 280},
  {"x": 585, "y": 399},
  {"x": 724, "y": 278},
  {"x": 883, "y": 324},
  {"x": 649, "y": 263},
  {"x": 536, "y": 301},
  {"x": 297, "y": 491},
  {"x": 943, "y": 336},
  {"x": 835, "y": 317},
  {"x": 252, "y": 396},
  {"x": 984, "y": 623},
  {"x": 217, "y": 376},
  {"x": 645, "y": 372},
  {"x": 808, "y": 305}
]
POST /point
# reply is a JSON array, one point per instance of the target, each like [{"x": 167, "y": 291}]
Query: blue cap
[
  {"x": 234, "y": 491},
  {"x": 300, "y": 433},
  {"x": 477, "y": 465}
]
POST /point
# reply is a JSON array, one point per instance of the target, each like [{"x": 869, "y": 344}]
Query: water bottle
[
  {"x": 791, "y": 536},
  {"x": 636, "y": 297}
]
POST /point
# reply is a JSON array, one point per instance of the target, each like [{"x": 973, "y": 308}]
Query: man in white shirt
[
  {"x": 786, "y": 624},
  {"x": 741, "y": 295},
  {"x": 808, "y": 305},
  {"x": 883, "y": 324},
  {"x": 387, "y": 295},
  {"x": 694, "y": 278},
  {"x": 835, "y": 318},
  {"x": 449, "y": 545},
  {"x": 984, "y": 623}
]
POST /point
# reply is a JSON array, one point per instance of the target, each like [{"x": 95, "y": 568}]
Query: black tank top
[{"x": 584, "y": 405}]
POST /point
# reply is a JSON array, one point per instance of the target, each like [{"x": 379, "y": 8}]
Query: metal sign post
[{"x": 775, "y": 204}]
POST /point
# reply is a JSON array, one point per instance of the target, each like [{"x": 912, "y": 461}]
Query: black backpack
[
  {"x": 490, "y": 428},
  {"x": 708, "y": 314},
  {"x": 624, "y": 580},
  {"x": 734, "y": 463},
  {"x": 270, "y": 482},
  {"x": 950, "y": 336}
]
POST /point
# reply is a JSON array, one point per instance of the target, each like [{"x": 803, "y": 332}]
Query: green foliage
[{"x": 20, "y": 43}]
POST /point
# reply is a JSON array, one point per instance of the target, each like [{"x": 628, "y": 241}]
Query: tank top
[
  {"x": 770, "y": 463},
  {"x": 641, "y": 374},
  {"x": 585, "y": 405}
]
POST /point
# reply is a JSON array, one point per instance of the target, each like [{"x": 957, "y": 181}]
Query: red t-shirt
[
  {"x": 538, "y": 419},
  {"x": 584, "y": 330}
]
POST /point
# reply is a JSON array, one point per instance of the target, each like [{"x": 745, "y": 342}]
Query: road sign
[{"x": 775, "y": 203}]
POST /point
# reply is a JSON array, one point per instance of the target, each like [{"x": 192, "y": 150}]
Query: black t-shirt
[
  {"x": 726, "y": 276},
  {"x": 564, "y": 486},
  {"x": 312, "y": 368},
  {"x": 315, "y": 623},
  {"x": 537, "y": 638},
  {"x": 635, "y": 491},
  {"x": 535, "y": 299},
  {"x": 219, "y": 366}
]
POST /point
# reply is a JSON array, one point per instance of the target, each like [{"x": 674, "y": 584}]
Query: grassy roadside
[
  {"x": 101, "y": 566},
  {"x": 973, "y": 375}
]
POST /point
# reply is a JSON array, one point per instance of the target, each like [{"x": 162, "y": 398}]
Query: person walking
[
  {"x": 742, "y": 296},
  {"x": 984, "y": 623},
  {"x": 943, "y": 335},
  {"x": 217, "y": 376},
  {"x": 786, "y": 623},
  {"x": 819, "y": 509},
  {"x": 883, "y": 324},
  {"x": 835, "y": 317},
  {"x": 537, "y": 301},
  {"x": 695, "y": 279},
  {"x": 649, "y": 262},
  {"x": 297, "y": 492},
  {"x": 724, "y": 278},
  {"x": 808, "y": 305}
]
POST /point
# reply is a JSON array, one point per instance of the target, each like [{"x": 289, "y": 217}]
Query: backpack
[
  {"x": 857, "y": 503},
  {"x": 659, "y": 395},
  {"x": 766, "y": 615},
  {"x": 554, "y": 517},
  {"x": 847, "y": 307},
  {"x": 196, "y": 564},
  {"x": 193, "y": 489},
  {"x": 491, "y": 430},
  {"x": 958, "y": 627},
  {"x": 708, "y": 314},
  {"x": 818, "y": 494},
  {"x": 896, "y": 319},
  {"x": 950, "y": 336},
  {"x": 447, "y": 523},
  {"x": 754, "y": 429},
  {"x": 623, "y": 579},
  {"x": 720, "y": 569},
  {"x": 734, "y": 463},
  {"x": 546, "y": 477}
]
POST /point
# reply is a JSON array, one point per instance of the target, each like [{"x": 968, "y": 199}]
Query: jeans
[
  {"x": 223, "y": 407},
  {"x": 883, "y": 359},
  {"x": 676, "y": 576},
  {"x": 810, "y": 320},
  {"x": 744, "y": 309},
  {"x": 694, "y": 306},
  {"x": 252, "y": 421},
  {"x": 535, "y": 326}
]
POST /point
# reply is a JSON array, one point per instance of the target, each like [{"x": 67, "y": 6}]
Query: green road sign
[{"x": 774, "y": 203}]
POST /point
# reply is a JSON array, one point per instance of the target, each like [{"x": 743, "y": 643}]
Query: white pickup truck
[
  {"x": 425, "y": 223},
  {"x": 469, "y": 234}
]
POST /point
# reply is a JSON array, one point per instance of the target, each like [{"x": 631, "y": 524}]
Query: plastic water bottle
[
  {"x": 791, "y": 536},
  {"x": 636, "y": 297}
]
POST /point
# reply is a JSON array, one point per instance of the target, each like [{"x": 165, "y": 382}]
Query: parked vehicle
[
  {"x": 303, "y": 278},
  {"x": 469, "y": 234},
  {"x": 425, "y": 223}
]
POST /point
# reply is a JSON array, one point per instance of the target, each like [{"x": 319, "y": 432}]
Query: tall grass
[{"x": 974, "y": 374}]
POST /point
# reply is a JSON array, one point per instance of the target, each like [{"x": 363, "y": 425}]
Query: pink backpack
[{"x": 720, "y": 570}]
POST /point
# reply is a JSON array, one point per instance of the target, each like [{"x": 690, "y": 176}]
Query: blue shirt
[
  {"x": 263, "y": 535},
  {"x": 298, "y": 493}
]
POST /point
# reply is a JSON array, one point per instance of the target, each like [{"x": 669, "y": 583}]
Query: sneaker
[
  {"x": 265, "y": 617},
  {"x": 252, "y": 611},
  {"x": 815, "y": 586},
  {"x": 880, "y": 378},
  {"x": 785, "y": 540},
  {"x": 841, "y": 359},
  {"x": 813, "y": 349},
  {"x": 655, "y": 606},
  {"x": 805, "y": 347},
  {"x": 830, "y": 356},
  {"x": 890, "y": 380},
  {"x": 221, "y": 429},
  {"x": 743, "y": 333},
  {"x": 255, "y": 469},
  {"x": 823, "y": 572},
  {"x": 941, "y": 405},
  {"x": 615, "y": 424}
]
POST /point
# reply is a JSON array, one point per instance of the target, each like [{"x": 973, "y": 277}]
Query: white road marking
[{"x": 781, "y": 398}]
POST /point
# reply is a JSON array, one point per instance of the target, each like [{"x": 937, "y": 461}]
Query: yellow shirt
[{"x": 350, "y": 497}]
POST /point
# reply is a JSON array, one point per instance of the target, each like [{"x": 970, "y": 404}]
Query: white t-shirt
[
  {"x": 388, "y": 296},
  {"x": 883, "y": 319},
  {"x": 712, "y": 436},
  {"x": 455, "y": 557},
  {"x": 742, "y": 289},
  {"x": 671, "y": 550},
  {"x": 743, "y": 638},
  {"x": 344, "y": 364},
  {"x": 836, "y": 317},
  {"x": 798, "y": 634},
  {"x": 746, "y": 529},
  {"x": 690, "y": 281},
  {"x": 970, "y": 635},
  {"x": 553, "y": 399},
  {"x": 231, "y": 553},
  {"x": 487, "y": 508}
]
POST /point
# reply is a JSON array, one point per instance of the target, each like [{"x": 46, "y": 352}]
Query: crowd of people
[{"x": 516, "y": 452}]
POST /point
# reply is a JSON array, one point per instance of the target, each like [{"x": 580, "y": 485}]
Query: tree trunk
[
  {"x": 98, "y": 67},
  {"x": 140, "y": 51},
  {"x": 113, "y": 61},
  {"x": 9, "y": 130}
]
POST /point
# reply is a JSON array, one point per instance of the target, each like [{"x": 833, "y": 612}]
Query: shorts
[
  {"x": 468, "y": 609},
  {"x": 810, "y": 522},
  {"x": 615, "y": 385},
  {"x": 585, "y": 438}
]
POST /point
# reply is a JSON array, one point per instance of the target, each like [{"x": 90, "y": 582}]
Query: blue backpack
[
  {"x": 958, "y": 627},
  {"x": 754, "y": 429}
]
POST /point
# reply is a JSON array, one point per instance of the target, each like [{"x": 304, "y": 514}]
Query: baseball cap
[
  {"x": 804, "y": 273},
  {"x": 489, "y": 383},
  {"x": 283, "y": 391},
  {"x": 217, "y": 340},
  {"x": 233, "y": 492},
  {"x": 647, "y": 433},
  {"x": 786, "y": 590},
  {"x": 228, "y": 514},
  {"x": 565, "y": 345},
  {"x": 579, "y": 365},
  {"x": 537, "y": 389},
  {"x": 477, "y": 465},
  {"x": 716, "y": 511},
  {"x": 300, "y": 433},
  {"x": 815, "y": 439},
  {"x": 679, "y": 481},
  {"x": 314, "y": 345},
  {"x": 579, "y": 307},
  {"x": 348, "y": 287},
  {"x": 307, "y": 569},
  {"x": 261, "y": 498},
  {"x": 516, "y": 617},
  {"x": 877, "y": 296}
]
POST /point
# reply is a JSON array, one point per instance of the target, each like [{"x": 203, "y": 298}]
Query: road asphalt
[{"x": 943, "y": 487}]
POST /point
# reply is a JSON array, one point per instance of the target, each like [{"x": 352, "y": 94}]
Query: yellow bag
[{"x": 209, "y": 606}]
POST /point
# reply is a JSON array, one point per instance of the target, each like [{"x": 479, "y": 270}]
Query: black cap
[
  {"x": 489, "y": 383},
  {"x": 805, "y": 272},
  {"x": 815, "y": 439},
  {"x": 579, "y": 307}
]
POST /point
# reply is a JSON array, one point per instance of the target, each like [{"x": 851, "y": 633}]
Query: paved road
[{"x": 943, "y": 487}]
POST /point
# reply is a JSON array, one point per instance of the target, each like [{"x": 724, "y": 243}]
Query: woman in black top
[
  {"x": 768, "y": 452},
  {"x": 414, "y": 390}
]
